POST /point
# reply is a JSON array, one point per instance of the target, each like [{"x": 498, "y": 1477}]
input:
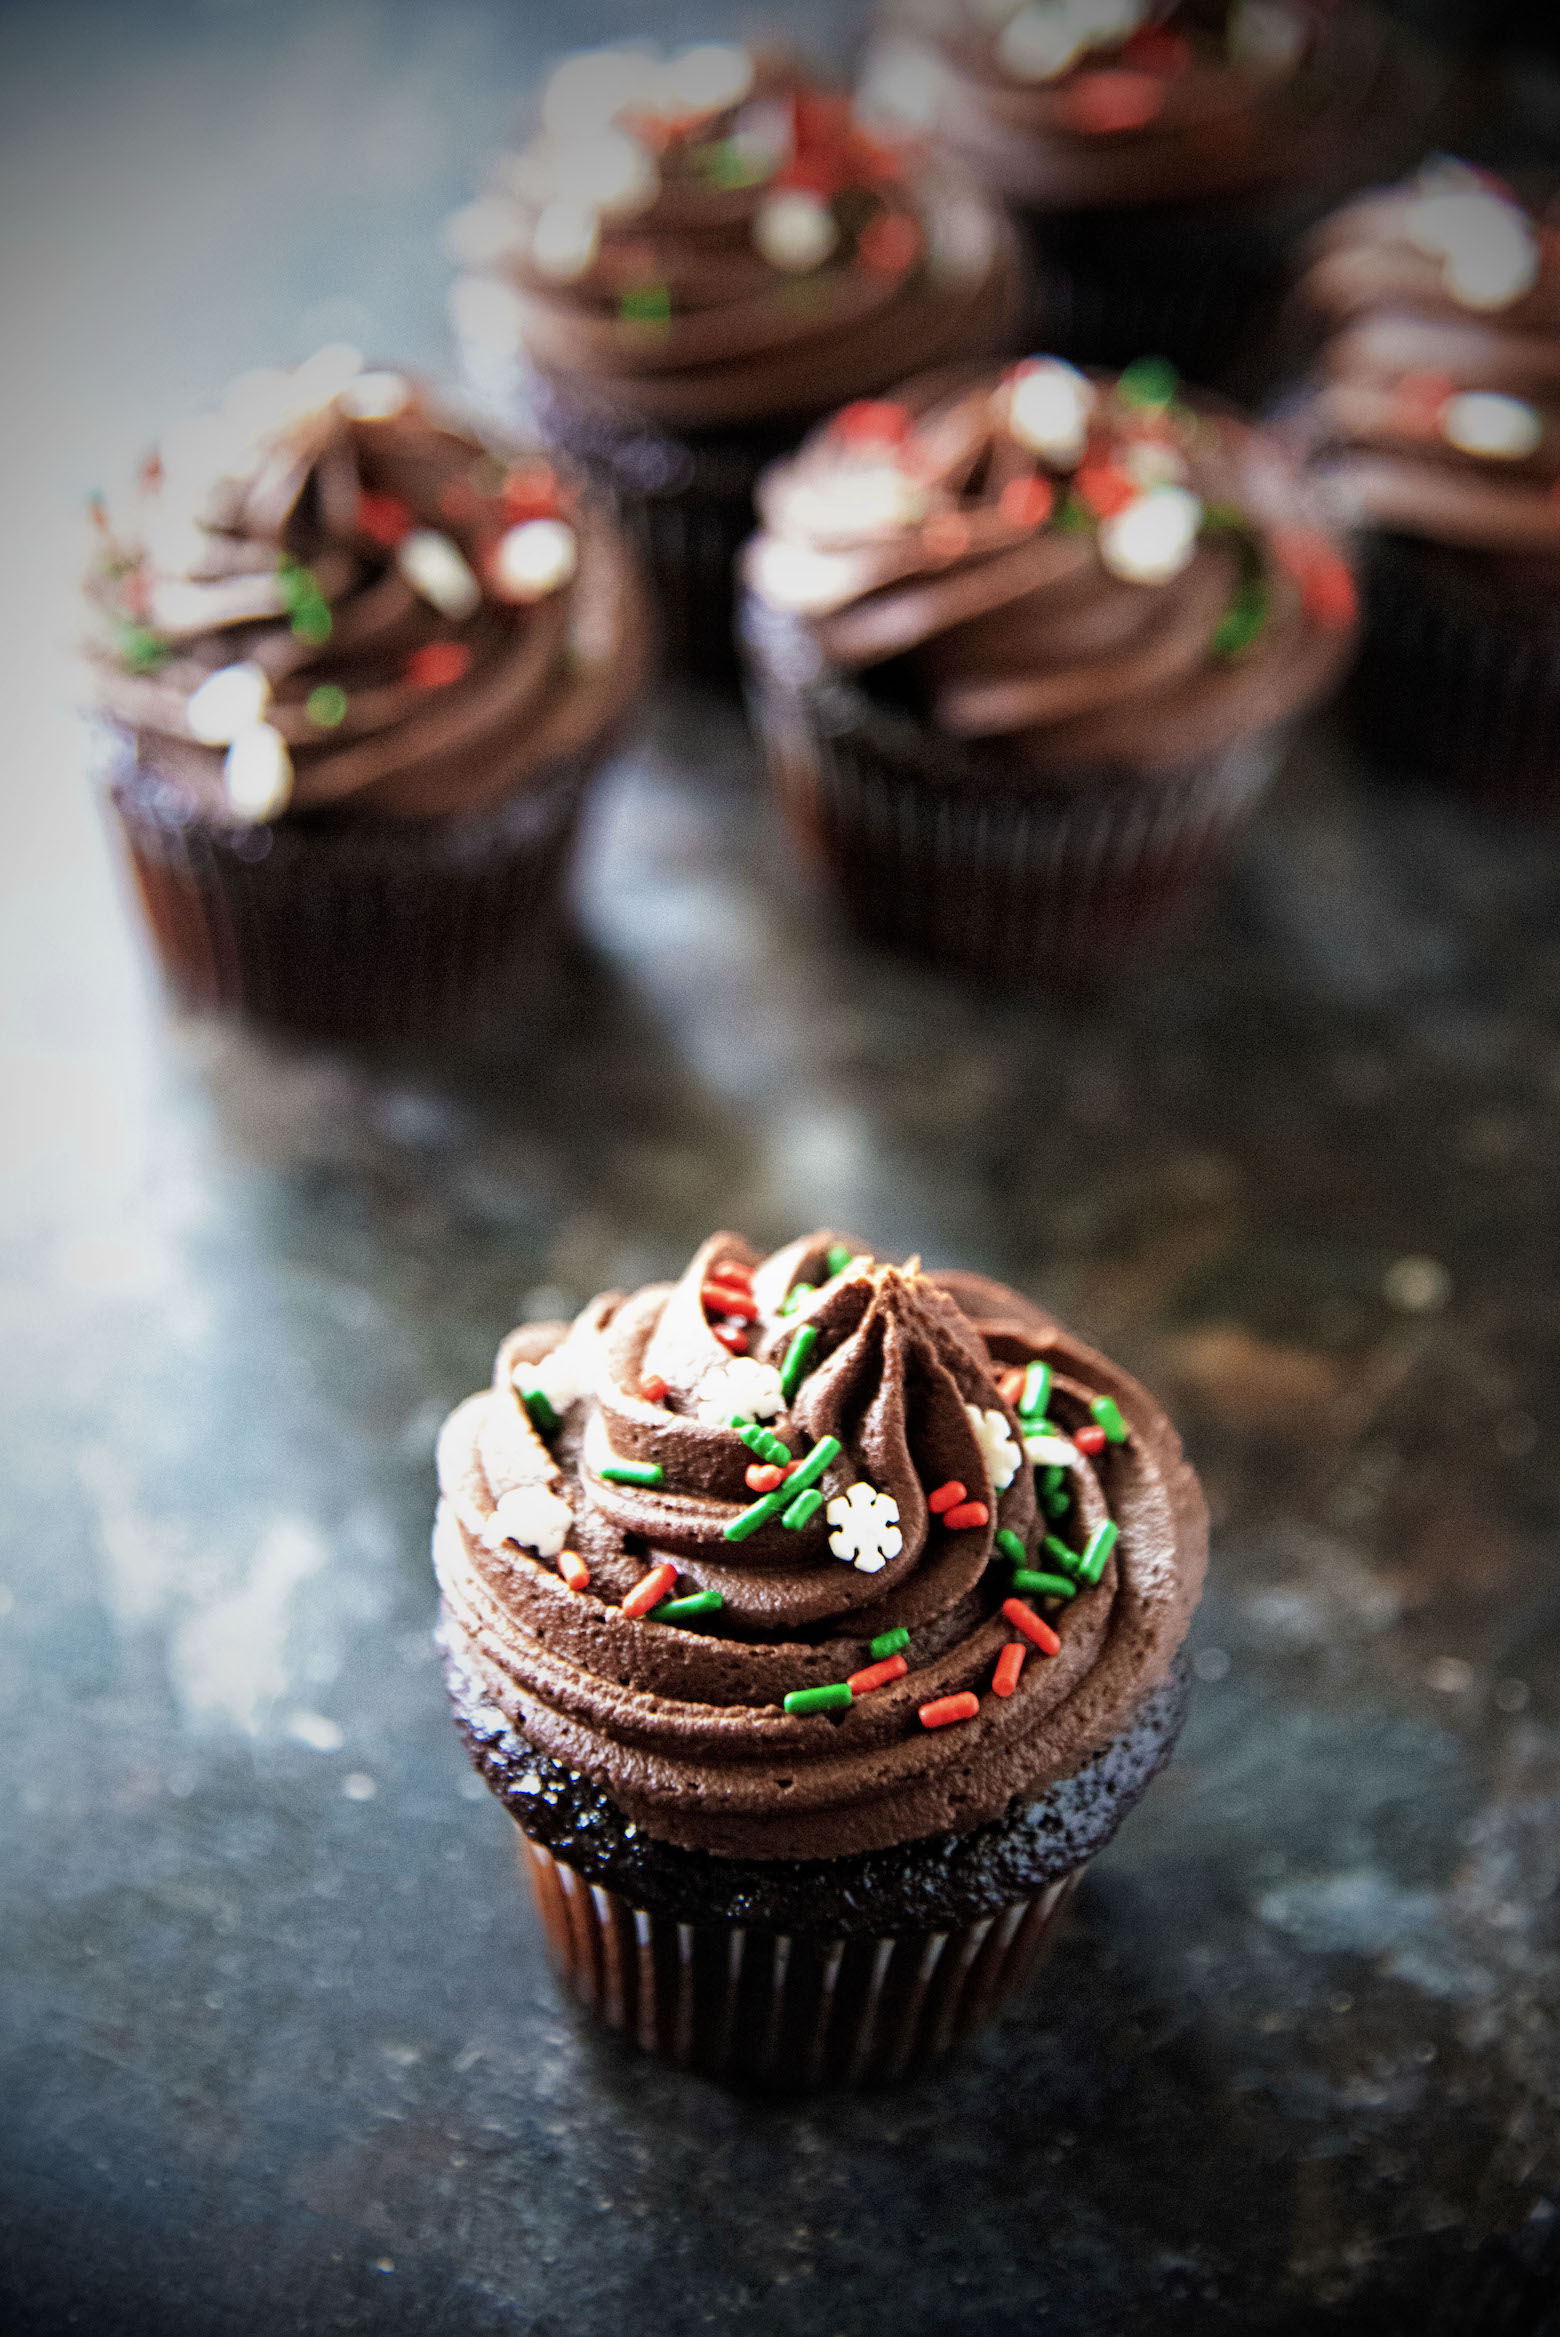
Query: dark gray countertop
[{"x": 280, "y": 2049}]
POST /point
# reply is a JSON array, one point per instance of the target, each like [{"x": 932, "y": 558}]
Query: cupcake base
[
  {"x": 1458, "y": 680},
  {"x": 780, "y": 2010},
  {"x": 936, "y": 849},
  {"x": 344, "y": 928}
]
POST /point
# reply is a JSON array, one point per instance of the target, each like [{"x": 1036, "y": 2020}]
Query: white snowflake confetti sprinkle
[
  {"x": 435, "y": 567},
  {"x": 864, "y": 1527},
  {"x": 257, "y": 773},
  {"x": 1499, "y": 429},
  {"x": 795, "y": 232},
  {"x": 234, "y": 698},
  {"x": 1048, "y": 410},
  {"x": 1153, "y": 539},
  {"x": 995, "y": 1438},
  {"x": 1490, "y": 255},
  {"x": 532, "y": 1516},
  {"x": 534, "y": 559},
  {"x": 744, "y": 1387}
]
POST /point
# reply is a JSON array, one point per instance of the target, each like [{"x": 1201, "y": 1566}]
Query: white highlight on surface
[
  {"x": 257, "y": 773},
  {"x": 435, "y": 566},
  {"x": 901, "y": 85},
  {"x": 1051, "y": 1452},
  {"x": 998, "y": 1450},
  {"x": 565, "y": 239},
  {"x": 357, "y": 1785},
  {"x": 795, "y": 232},
  {"x": 1047, "y": 36},
  {"x": 558, "y": 1377},
  {"x": 866, "y": 500},
  {"x": 744, "y": 1386},
  {"x": 534, "y": 559},
  {"x": 1153, "y": 539},
  {"x": 1497, "y": 428},
  {"x": 232, "y": 699},
  {"x": 376, "y": 397},
  {"x": 531, "y": 1516},
  {"x": 1049, "y": 406},
  {"x": 585, "y": 91},
  {"x": 864, "y": 1527},
  {"x": 316, "y": 1731},
  {"x": 607, "y": 170},
  {"x": 1266, "y": 37},
  {"x": 1416, "y": 1286},
  {"x": 230, "y": 1661},
  {"x": 706, "y": 78}
]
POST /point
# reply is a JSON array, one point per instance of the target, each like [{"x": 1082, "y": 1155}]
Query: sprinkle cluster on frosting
[
  {"x": 1439, "y": 408},
  {"x": 673, "y": 1601},
  {"x": 323, "y": 591},
  {"x": 693, "y": 215},
  {"x": 1055, "y": 548}
]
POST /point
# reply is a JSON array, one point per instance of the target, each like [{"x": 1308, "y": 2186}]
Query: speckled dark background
[{"x": 279, "y": 2048}]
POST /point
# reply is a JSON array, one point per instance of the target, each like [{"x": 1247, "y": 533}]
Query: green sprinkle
[
  {"x": 313, "y": 623},
  {"x": 730, "y": 165},
  {"x": 1105, "y": 1411},
  {"x": 837, "y": 1697},
  {"x": 1098, "y": 1547},
  {"x": 748, "y": 1521},
  {"x": 1073, "y": 516},
  {"x": 651, "y": 304},
  {"x": 759, "y": 1440},
  {"x": 1222, "y": 519},
  {"x": 784, "y": 1498},
  {"x": 796, "y": 1296},
  {"x": 1043, "y": 1586},
  {"x": 1036, "y": 1393},
  {"x": 1066, "y": 1557},
  {"x": 327, "y": 705},
  {"x": 633, "y": 1473},
  {"x": 142, "y": 651},
  {"x": 1011, "y": 1545},
  {"x": 543, "y": 1418},
  {"x": 803, "y": 1509},
  {"x": 827, "y": 1449},
  {"x": 1053, "y": 1476},
  {"x": 796, "y": 1361},
  {"x": 888, "y": 1643},
  {"x": 1244, "y": 620},
  {"x": 838, "y": 1259},
  {"x": 688, "y": 1610},
  {"x": 1148, "y": 381},
  {"x": 1056, "y": 1504}
]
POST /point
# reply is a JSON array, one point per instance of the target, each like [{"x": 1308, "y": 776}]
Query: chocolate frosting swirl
[
  {"x": 346, "y": 562},
  {"x": 1438, "y": 407},
  {"x": 1164, "y": 104},
  {"x": 751, "y": 259},
  {"x": 683, "y": 1724},
  {"x": 1084, "y": 570}
]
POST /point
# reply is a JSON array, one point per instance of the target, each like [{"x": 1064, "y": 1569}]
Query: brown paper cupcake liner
[
  {"x": 784, "y": 2011},
  {"x": 348, "y": 929},
  {"x": 931, "y": 851},
  {"x": 1458, "y": 683}
]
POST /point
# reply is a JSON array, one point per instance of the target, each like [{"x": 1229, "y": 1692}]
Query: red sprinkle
[
  {"x": 965, "y": 1514},
  {"x": 650, "y": 1590},
  {"x": 1026, "y": 502},
  {"x": 654, "y": 1389},
  {"x": 821, "y": 119},
  {"x": 1033, "y": 1626},
  {"x": 1011, "y": 1384},
  {"x": 384, "y": 518},
  {"x": 1009, "y": 1664},
  {"x": 1102, "y": 102},
  {"x": 730, "y": 1270},
  {"x": 574, "y": 1570},
  {"x": 1154, "y": 49},
  {"x": 763, "y": 1476},
  {"x": 724, "y": 1298},
  {"x": 437, "y": 664},
  {"x": 946, "y": 1497},
  {"x": 949, "y": 1708},
  {"x": 877, "y": 1675},
  {"x": 1326, "y": 586},
  {"x": 732, "y": 1336},
  {"x": 889, "y": 244},
  {"x": 530, "y": 492},
  {"x": 1091, "y": 1439},
  {"x": 813, "y": 174},
  {"x": 1105, "y": 489}
]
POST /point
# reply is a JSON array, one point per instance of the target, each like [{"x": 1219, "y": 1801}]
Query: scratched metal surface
[{"x": 279, "y": 2047}]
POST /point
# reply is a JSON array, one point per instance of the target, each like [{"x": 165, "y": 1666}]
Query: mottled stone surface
[{"x": 279, "y": 2048}]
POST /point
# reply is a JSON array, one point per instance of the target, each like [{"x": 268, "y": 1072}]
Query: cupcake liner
[
  {"x": 933, "y": 850},
  {"x": 1458, "y": 682},
  {"x": 784, "y": 2011},
  {"x": 343, "y": 928}
]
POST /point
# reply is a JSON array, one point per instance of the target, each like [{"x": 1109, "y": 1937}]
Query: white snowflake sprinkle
[
  {"x": 1000, "y": 1453},
  {"x": 532, "y": 1516},
  {"x": 743, "y": 1387},
  {"x": 864, "y": 1527}
]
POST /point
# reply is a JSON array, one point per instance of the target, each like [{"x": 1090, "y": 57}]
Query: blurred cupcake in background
[
  {"x": 1436, "y": 430},
  {"x": 1162, "y": 157},
  {"x": 1024, "y": 649},
  {"x": 692, "y": 260},
  {"x": 356, "y": 666}
]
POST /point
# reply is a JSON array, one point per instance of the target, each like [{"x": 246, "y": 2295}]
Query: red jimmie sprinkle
[
  {"x": 877, "y": 1675},
  {"x": 574, "y": 1570},
  {"x": 1009, "y": 1664},
  {"x": 1154, "y": 49},
  {"x": 1011, "y": 1384},
  {"x": 1103, "y": 102},
  {"x": 1105, "y": 489},
  {"x": 1326, "y": 586},
  {"x": 384, "y": 518},
  {"x": 1090, "y": 1439},
  {"x": 946, "y": 1497},
  {"x": 724, "y": 1298},
  {"x": 530, "y": 492},
  {"x": 732, "y": 1336},
  {"x": 947, "y": 1709},
  {"x": 730, "y": 1270},
  {"x": 1026, "y": 503},
  {"x": 436, "y": 665},
  {"x": 813, "y": 174},
  {"x": 889, "y": 244},
  {"x": 654, "y": 1389},
  {"x": 650, "y": 1590},
  {"x": 965, "y": 1514},
  {"x": 763, "y": 1476},
  {"x": 1033, "y": 1626}
]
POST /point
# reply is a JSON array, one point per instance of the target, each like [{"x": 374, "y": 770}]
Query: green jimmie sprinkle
[
  {"x": 840, "y": 1255},
  {"x": 798, "y": 1355},
  {"x": 1036, "y": 1393},
  {"x": 1108, "y": 1415},
  {"x": 761, "y": 1441},
  {"x": 1011, "y": 1545},
  {"x": 887, "y": 1643},
  {"x": 802, "y": 1510},
  {"x": 774, "y": 1504},
  {"x": 688, "y": 1610},
  {"x": 1096, "y": 1550},
  {"x": 543, "y": 1418},
  {"x": 1043, "y": 1586},
  {"x": 837, "y": 1697},
  {"x": 648, "y": 1473}
]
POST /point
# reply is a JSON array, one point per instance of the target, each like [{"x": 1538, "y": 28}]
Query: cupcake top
[
  {"x": 1085, "y": 568},
  {"x": 809, "y": 1555},
  {"x": 1068, "y": 103},
  {"x": 1438, "y": 412},
  {"x": 715, "y": 240},
  {"x": 324, "y": 594}
]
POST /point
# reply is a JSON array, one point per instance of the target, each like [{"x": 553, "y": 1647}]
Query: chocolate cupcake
[
  {"x": 356, "y": 666},
  {"x": 815, "y": 1619},
  {"x": 1023, "y": 652},
  {"x": 693, "y": 260},
  {"x": 1436, "y": 430},
  {"x": 1161, "y": 158}
]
